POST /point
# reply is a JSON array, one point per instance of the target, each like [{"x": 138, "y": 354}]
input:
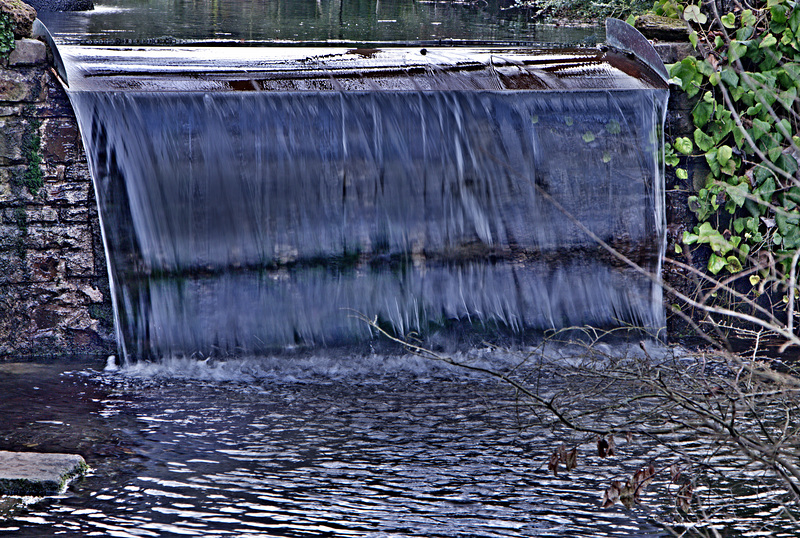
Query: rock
[
  {"x": 37, "y": 474},
  {"x": 22, "y": 15},
  {"x": 45, "y": 6},
  {"x": 27, "y": 52},
  {"x": 662, "y": 28}
]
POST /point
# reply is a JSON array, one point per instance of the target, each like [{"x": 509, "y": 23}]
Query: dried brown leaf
[
  {"x": 572, "y": 459},
  {"x": 611, "y": 495},
  {"x": 684, "y": 497},
  {"x": 552, "y": 465},
  {"x": 674, "y": 472}
]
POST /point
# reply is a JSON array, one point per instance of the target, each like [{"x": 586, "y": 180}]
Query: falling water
[{"x": 421, "y": 197}]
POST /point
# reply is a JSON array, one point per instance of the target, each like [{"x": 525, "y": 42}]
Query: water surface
[{"x": 287, "y": 21}]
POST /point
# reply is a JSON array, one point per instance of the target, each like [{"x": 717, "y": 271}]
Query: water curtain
[{"x": 257, "y": 198}]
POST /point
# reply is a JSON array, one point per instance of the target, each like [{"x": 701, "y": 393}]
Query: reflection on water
[
  {"x": 306, "y": 21},
  {"x": 307, "y": 445},
  {"x": 276, "y": 451}
]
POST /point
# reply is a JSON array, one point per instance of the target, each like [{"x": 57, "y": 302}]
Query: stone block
[
  {"x": 27, "y": 52},
  {"x": 79, "y": 263},
  {"x": 10, "y": 110},
  {"x": 42, "y": 215},
  {"x": 61, "y": 141},
  {"x": 59, "y": 237},
  {"x": 10, "y": 189},
  {"x": 56, "y": 103},
  {"x": 12, "y": 134},
  {"x": 22, "y": 16},
  {"x": 675, "y": 51},
  {"x": 67, "y": 193},
  {"x": 37, "y": 474},
  {"x": 46, "y": 267},
  {"x": 74, "y": 215},
  {"x": 25, "y": 85},
  {"x": 13, "y": 269},
  {"x": 46, "y": 317},
  {"x": 9, "y": 236}
]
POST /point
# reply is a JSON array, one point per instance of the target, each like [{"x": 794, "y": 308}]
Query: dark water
[
  {"x": 317, "y": 21},
  {"x": 254, "y": 455},
  {"x": 319, "y": 446}
]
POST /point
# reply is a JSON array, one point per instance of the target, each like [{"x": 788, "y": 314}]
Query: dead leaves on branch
[
  {"x": 629, "y": 492},
  {"x": 559, "y": 456},
  {"x": 605, "y": 447}
]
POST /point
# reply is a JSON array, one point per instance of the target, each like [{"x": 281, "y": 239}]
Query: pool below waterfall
[{"x": 309, "y": 446}]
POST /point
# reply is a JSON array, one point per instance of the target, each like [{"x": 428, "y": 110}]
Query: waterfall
[{"x": 242, "y": 215}]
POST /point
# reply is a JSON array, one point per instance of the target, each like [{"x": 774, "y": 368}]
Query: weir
[{"x": 257, "y": 198}]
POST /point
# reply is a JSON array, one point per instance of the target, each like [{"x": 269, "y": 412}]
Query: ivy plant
[
  {"x": 746, "y": 80},
  {"x": 6, "y": 35}
]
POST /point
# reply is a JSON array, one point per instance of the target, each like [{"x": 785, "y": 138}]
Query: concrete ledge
[{"x": 37, "y": 474}]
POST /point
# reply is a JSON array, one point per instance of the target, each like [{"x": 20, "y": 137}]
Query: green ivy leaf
[
  {"x": 681, "y": 173},
  {"x": 748, "y": 19},
  {"x": 683, "y": 145},
  {"x": 728, "y": 20},
  {"x": 733, "y": 264},
  {"x": 760, "y": 128},
  {"x": 693, "y": 39},
  {"x": 588, "y": 137},
  {"x": 716, "y": 264},
  {"x": 702, "y": 113},
  {"x": 738, "y": 194},
  {"x": 692, "y": 13},
  {"x": 724, "y": 154},
  {"x": 768, "y": 41},
  {"x": 736, "y": 50},
  {"x": 729, "y": 76},
  {"x": 702, "y": 140}
]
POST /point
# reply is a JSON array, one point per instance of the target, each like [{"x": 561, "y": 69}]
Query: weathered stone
[
  {"x": 44, "y": 6},
  {"x": 663, "y": 28},
  {"x": 674, "y": 52},
  {"x": 58, "y": 237},
  {"x": 37, "y": 474},
  {"x": 94, "y": 295},
  {"x": 12, "y": 133},
  {"x": 60, "y": 140},
  {"x": 9, "y": 236},
  {"x": 56, "y": 103},
  {"x": 45, "y": 317},
  {"x": 22, "y": 16},
  {"x": 68, "y": 193},
  {"x": 10, "y": 110},
  {"x": 42, "y": 215},
  {"x": 74, "y": 215},
  {"x": 79, "y": 263},
  {"x": 46, "y": 267},
  {"x": 21, "y": 85},
  {"x": 12, "y": 268},
  {"x": 27, "y": 52}
]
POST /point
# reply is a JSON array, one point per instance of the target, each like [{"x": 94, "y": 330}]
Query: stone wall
[{"x": 54, "y": 296}]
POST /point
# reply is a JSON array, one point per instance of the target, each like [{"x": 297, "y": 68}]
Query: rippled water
[{"x": 319, "y": 448}]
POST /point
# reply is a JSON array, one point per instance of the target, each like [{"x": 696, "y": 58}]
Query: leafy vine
[{"x": 746, "y": 78}]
